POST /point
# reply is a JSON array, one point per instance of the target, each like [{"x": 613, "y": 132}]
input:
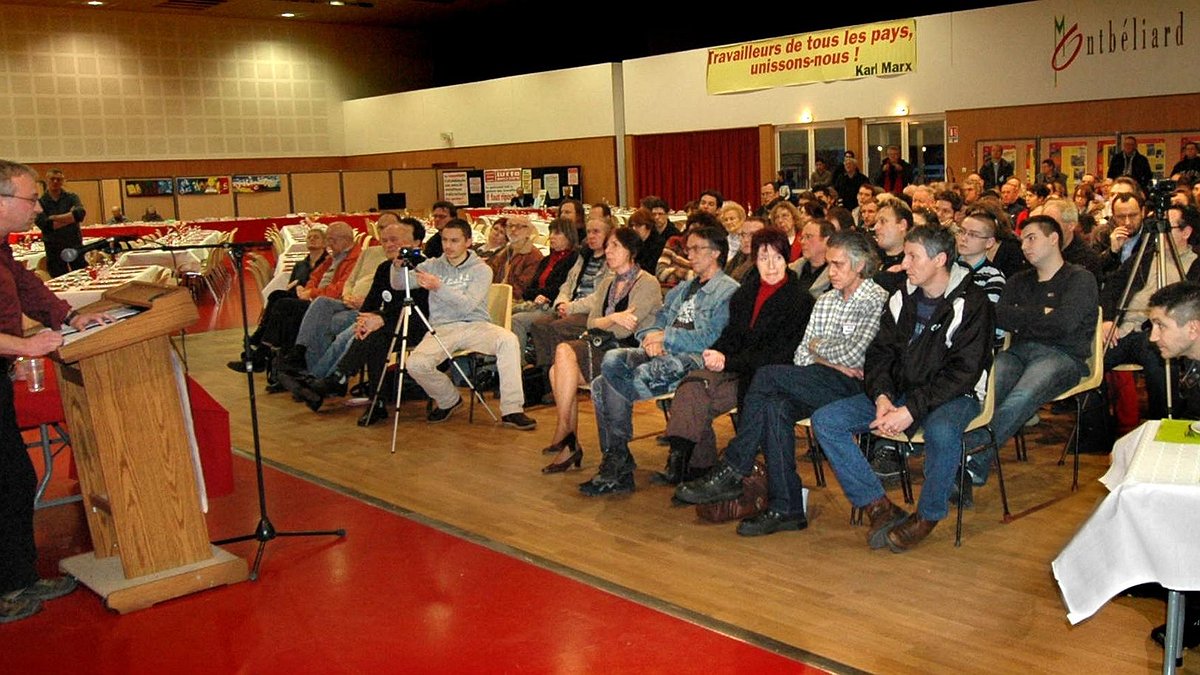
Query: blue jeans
[
  {"x": 836, "y": 424},
  {"x": 327, "y": 360},
  {"x": 779, "y": 395},
  {"x": 323, "y": 321},
  {"x": 628, "y": 375},
  {"x": 1028, "y": 374}
]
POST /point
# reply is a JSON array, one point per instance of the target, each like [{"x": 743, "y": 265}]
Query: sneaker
[
  {"x": 519, "y": 420},
  {"x": 770, "y": 522},
  {"x": 439, "y": 415},
  {"x": 48, "y": 589},
  {"x": 721, "y": 484},
  {"x": 602, "y": 485},
  {"x": 18, "y": 608}
]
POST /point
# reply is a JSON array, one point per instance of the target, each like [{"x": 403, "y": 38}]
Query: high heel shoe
[
  {"x": 576, "y": 456},
  {"x": 555, "y": 448}
]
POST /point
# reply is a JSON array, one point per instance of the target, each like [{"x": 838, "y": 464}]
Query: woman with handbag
[{"x": 623, "y": 304}]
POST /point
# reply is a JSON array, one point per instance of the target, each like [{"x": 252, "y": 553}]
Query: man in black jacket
[
  {"x": 1130, "y": 162},
  {"x": 1050, "y": 310},
  {"x": 926, "y": 369},
  {"x": 996, "y": 170}
]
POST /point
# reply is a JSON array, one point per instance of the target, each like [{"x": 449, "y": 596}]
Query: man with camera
[
  {"x": 365, "y": 340},
  {"x": 458, "y": 283}
]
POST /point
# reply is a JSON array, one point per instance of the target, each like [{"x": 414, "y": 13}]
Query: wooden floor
[{"x": 820, "y": 595}]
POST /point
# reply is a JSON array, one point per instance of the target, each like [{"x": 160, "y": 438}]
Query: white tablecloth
[
  {"x": 79, "y": 289},
  {"x": 183, "y": 261},
  {"x": 30, "y": 256},
  {"x": 1146, "y": 530}
]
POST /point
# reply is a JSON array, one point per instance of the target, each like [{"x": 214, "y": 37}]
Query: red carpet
[{"x": 393, "y": 596}]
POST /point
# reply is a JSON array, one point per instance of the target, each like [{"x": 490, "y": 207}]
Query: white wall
[
  {"x": 98, "y": 85},
  {"x": 982, "y": 58},
  {"x": 560, "y": 104}
]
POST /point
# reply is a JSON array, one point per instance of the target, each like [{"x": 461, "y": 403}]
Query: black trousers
[{"x": 18, "y": 485}]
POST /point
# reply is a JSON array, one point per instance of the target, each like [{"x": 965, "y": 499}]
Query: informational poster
[
  {"x": 572, "y": 176},
  {"x": 527, "y": 181},
  {"x": 550, "y": 182},
  {"x": 500, "y": 185},
  {"x": 266, "y": 183},
  {"x": 1070, "y": 156},
  {"x": 211, "y": 185},
  {"x": 872, "y": 50},
  {"x": 1155, "y": 150},
  {"x": 475, "y": 184},
  {"x": 154, "y": 187},
  {"x": 454, "y": 187}
]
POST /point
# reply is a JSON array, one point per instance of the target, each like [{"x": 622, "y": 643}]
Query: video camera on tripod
[{"x": 410, "y": 257}]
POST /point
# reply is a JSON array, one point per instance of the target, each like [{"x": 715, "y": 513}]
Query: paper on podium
[{"x": 190, "y": 427}]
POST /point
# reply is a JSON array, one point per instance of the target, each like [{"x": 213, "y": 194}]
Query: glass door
[
  {"x": 921, "y": 141},
  {"x": 801, "y": 147}
]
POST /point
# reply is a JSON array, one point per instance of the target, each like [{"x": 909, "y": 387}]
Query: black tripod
[
  {"x": 265, "y": 531},
  {"x": 401, "y": 334}
]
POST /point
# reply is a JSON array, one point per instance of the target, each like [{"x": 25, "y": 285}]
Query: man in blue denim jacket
[{"x": 693, "y": 316}]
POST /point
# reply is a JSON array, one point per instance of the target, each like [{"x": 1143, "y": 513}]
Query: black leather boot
[{"x": 677, "y": 463}]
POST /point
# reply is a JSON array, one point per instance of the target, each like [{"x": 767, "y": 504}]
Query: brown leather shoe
[
  {"x": 882, "y": 515},
  {"x": 910, "y": 532}
]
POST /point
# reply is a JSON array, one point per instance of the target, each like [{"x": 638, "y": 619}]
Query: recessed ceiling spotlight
[
  {"x": 288, "y": 15},
  {"x": 95, "y": 3},
  {"x": 336, "y": 3}
]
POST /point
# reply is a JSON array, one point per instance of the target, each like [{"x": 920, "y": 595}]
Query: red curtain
[{"x": 678, "y": 167}]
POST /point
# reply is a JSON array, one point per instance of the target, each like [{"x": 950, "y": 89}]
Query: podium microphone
[{"x": 108, "y": 244}]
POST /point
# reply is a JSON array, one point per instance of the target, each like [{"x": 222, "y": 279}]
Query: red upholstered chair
[{"x": 43, "y": 411}]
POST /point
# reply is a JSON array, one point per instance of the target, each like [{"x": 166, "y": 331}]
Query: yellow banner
[{"x": 843, "y": 54}]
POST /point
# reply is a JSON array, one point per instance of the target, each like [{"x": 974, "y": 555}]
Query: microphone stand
[{"x": 265, "y": 531}]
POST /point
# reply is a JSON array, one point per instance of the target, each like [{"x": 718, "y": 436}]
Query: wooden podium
[{"x": 125, "y": 411}]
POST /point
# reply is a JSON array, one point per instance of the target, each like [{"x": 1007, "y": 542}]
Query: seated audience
[
  {"x": 439, "y": 214},
  {"x": 693, "y": 316},
  {"x": 925, "y": 369},
  {"x": 767, "y": 317},
  {"x": 891, "y": 227},
  {"x": 641, "y": 222},
  {"x": 741, "y": 262},
  {"x": 788, "y": 219},
  {"x": 828, "y": 367},
  {"x": 571, "y": 307},
  {"x": 811, "y": 270},
  {"x": 623, "y": 304}
]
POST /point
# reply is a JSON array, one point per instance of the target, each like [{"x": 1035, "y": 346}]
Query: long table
[{"x": 248, "y": 229}]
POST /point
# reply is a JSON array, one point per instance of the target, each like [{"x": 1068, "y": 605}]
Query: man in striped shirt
[{"x": 828, "y": 367}]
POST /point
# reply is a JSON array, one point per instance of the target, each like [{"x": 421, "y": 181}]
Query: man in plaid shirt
[{"x": 828, "y": 367}]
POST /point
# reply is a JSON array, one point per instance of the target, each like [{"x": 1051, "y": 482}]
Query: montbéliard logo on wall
[{"x": 1111, "y": 36}]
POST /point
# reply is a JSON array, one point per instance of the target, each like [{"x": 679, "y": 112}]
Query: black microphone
[{"x": 108, "y": 244}]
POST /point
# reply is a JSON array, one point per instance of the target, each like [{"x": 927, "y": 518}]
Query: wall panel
[
  {"x": 192, "y": 207},
  {"x": 362, "y": 189},
  {"x": 419, "y": 187},
  {"x": 264, "y": 204},
  {"x": 320, "y": 192}
]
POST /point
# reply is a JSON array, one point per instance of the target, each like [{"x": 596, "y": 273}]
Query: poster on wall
[
  {"x": 475, "y": 184},
  {"x": 1155, "y": 150},
  {"x": 152, "y": 187},
  {"x": 872, "y": 50},
  {"x": 210, "y": 185},
  {"x": 454, "y": 187},
  {"x": 500, "y": 185},
  {"x": 266, "y": 183},
  {"x": 572, "y": 176},
  {"x": 1070, "y": 156},
  {"x": 550, "y": 182}
]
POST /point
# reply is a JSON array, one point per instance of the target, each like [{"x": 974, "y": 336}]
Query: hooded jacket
[
  {"x": 464, "y": 290},
  {"x": 950, "y": 358}
]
